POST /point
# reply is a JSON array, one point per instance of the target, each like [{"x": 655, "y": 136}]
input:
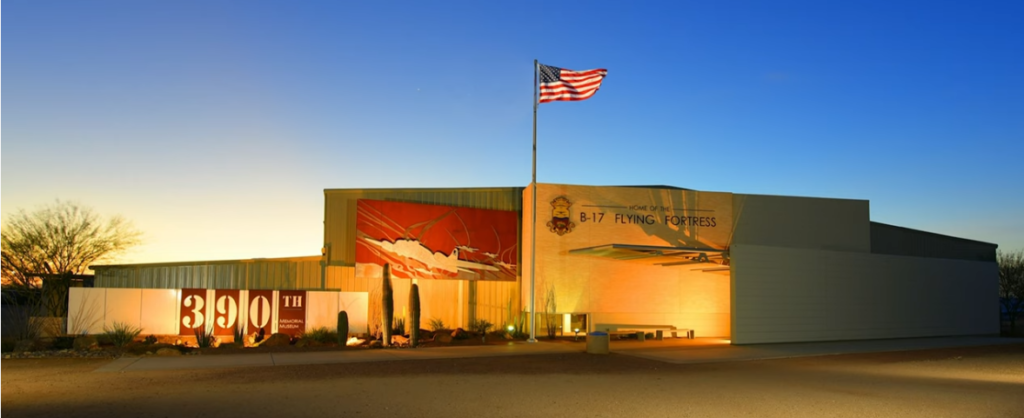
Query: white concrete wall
[
  {"x": 789, "y": 294},
  {"x": 93, "y": 310}
]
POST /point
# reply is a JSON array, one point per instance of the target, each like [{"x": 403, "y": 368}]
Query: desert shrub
[
  {"x": 7, "y": 346},
  {"x": 19, "y": 306},
  {"x": 204, "y": 337},
  {"x": 63, "y": 343},
  {"x": 551, "y": 318},
  {"x": 436, "y": 324},
  {"x": 480, "y": 326},
  {"x": 122, "y": 333},
  {"x": 239, "y": 332},
  {"x": 320, "y": 335},
  {"x": 399, "y": 327},
  {"x": 149, "y": 340}
]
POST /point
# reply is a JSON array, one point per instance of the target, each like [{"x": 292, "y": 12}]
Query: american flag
[{"x": 560, "y": 84}]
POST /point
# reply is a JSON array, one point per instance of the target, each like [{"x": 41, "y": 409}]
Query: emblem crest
[{"x": 560, "y": 222}]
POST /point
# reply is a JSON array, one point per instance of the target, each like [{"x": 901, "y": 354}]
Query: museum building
[{"x": 738, "y": 267}]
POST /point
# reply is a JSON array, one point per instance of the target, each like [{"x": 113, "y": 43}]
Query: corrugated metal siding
[
  {"x": 895, "y": 240},
  {"x": 282, "y": 274},
  {"x": 340, "y": 210},
  {"x": 439, "y": 299}
]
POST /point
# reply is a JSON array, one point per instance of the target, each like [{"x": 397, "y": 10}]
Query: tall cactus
[
  {"x": 414, "y": 315},
  {"x": 387, "y": 306},
  {"x": 342, "y": 328}
]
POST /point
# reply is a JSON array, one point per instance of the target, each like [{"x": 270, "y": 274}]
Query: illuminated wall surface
[
  {"x": 615, "y": 291},
  {"x": 435, "y": 242},
  {"x": 182, "y": 311}
]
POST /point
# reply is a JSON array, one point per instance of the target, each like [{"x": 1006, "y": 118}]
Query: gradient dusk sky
[{"x": 215, "y": 126}]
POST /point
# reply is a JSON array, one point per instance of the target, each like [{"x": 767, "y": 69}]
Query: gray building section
[
  {"x": 789, "y": 294},
  {"x": 805, "y": 269}
]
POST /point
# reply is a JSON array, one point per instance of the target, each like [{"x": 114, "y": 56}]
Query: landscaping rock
[
  {"x": 168, "y": 352},
  {"x": 277, "y": 340},
  {"x": 399, "y": 341},
  {"x": 85, "y": 342},
  {"x": 376, "y": 344},
  {"x": 443, "y": 338},
  {"x": 459, "y": 334}
]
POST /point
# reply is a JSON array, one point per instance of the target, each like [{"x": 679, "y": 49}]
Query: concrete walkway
[
  {"x": 706, "y": 353},
  {"x": 678, "y": 351},
  {"x": 332, "y": 357}
]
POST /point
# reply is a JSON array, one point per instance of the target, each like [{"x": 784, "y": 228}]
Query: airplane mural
[{"x": 436, "y": 242}]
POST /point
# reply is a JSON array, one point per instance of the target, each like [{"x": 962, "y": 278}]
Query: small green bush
[
  {"x": 150, "y": 340},
  {"x": 121, "y": 333},
  {"x": 7, "y": 346},
  {"x": 436, "y": 324},
  {"x": 480, "y": 326},
  {"x": 321, "y": 335},
  {"x": 204, "y": 337}
]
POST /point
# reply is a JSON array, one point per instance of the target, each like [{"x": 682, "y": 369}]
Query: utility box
[{"x": 597, "y": 342}]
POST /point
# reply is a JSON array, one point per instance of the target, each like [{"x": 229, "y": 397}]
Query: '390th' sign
[{"x": 224, "y": 310}]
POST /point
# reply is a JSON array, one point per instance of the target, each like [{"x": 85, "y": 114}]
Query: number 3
[{"x": 189, "y": 322}]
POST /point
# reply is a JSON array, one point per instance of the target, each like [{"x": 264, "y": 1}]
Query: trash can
[{"x": 597, "y": 342}]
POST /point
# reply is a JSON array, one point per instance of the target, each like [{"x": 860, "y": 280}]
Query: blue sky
[{"x": 215, "y": 126}]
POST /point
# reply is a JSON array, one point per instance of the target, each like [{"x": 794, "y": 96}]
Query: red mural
[
  {"x": 227, "y": 306},
  {"x": 437, "y": 242}
]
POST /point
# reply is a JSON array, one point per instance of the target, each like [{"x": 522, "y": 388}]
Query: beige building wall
[
  {"x": 630, "y": 292},
  {"x": 792, "y": 294}
]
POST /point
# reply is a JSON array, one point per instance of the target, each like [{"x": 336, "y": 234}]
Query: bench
[{"x": 640, "y": 330}]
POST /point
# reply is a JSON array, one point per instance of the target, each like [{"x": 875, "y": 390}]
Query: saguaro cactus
[
  {"x": 387, "y": 306},
  {"x": 414, "y": 315},
  {"x": 342, "y": 328}
]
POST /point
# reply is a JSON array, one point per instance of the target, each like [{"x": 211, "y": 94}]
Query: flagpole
[{"x": 533, "y": 212}]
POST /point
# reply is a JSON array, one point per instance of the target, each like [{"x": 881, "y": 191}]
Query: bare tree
[
  {"x": 1011, "y": 284},
  {"x": 55, "y": 243}
]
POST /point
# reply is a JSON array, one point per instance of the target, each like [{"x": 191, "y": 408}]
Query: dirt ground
[{"x": 968, "y": 382}]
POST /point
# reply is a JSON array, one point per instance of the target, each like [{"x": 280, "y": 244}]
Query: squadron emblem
[{"x": 560, "y": 223}]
